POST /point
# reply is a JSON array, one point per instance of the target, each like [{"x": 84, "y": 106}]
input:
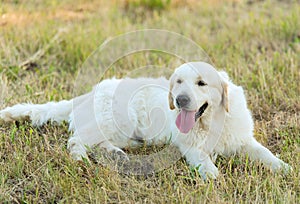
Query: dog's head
[{"x": 194, "y": 87}]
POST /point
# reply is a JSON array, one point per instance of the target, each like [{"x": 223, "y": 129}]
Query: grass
[{"x": 256, "y": 42}]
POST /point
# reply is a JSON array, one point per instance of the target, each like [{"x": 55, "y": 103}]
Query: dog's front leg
[
  {"x": 257, "y": 151},
  {"x": 199, "y": 159}
]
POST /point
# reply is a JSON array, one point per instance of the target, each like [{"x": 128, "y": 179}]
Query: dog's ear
[
  {"x": 171, "y": 100},
  {"x": 224, "y": 82}
]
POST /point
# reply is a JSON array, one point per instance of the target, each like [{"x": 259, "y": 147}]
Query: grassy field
[{"x": 44, "y": 43}]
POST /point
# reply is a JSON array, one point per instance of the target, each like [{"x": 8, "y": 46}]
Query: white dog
[{"x": 199, "y": 109}]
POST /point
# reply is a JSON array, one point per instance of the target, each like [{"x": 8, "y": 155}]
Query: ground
[{"x": 44, "y": 43}]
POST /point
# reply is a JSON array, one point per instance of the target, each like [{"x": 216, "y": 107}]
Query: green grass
[{"x": 257, "y": 43}]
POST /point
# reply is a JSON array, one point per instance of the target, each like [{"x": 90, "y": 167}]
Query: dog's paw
[
  {"x": 5, "y": 115},
  {"x": 208, "y": 170},
  {"x": 281, "y": 166}
]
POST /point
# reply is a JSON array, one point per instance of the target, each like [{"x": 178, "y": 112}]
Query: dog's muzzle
[{"x": 182, "y": 101}]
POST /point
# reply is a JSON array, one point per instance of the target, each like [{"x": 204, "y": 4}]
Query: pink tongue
[{"x": 185, "y": 120}]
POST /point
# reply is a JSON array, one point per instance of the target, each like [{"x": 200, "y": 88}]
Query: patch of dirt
[
  {"x": 24, "y": 19},
  {"x": 75, "y": 11}
]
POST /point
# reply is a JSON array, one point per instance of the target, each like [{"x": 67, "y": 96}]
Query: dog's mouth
[
  {"x": 201, "y": 111},
  {"x": 186, "y": 119}
]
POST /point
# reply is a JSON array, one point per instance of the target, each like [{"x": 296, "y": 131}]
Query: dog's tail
[{"x": 39, "y": 113}]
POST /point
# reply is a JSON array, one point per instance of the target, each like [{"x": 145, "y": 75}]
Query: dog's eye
[
  {"x": 179, "y": 81},
  {"x": 201, "y": 83}
]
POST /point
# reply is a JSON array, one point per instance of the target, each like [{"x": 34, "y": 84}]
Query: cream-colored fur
[{"x": 118, "y": 113}]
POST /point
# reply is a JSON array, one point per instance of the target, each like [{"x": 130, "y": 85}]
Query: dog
[{"x": 198, "y": 109}]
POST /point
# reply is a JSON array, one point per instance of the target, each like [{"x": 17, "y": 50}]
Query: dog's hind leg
[
  {"x": 89, "y": 139},
  {"x": 78, "y": 150},
  {"x": 38, "y": 113}
]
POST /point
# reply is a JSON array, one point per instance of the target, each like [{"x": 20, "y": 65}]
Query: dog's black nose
[{"x": 182, "y": 101}]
